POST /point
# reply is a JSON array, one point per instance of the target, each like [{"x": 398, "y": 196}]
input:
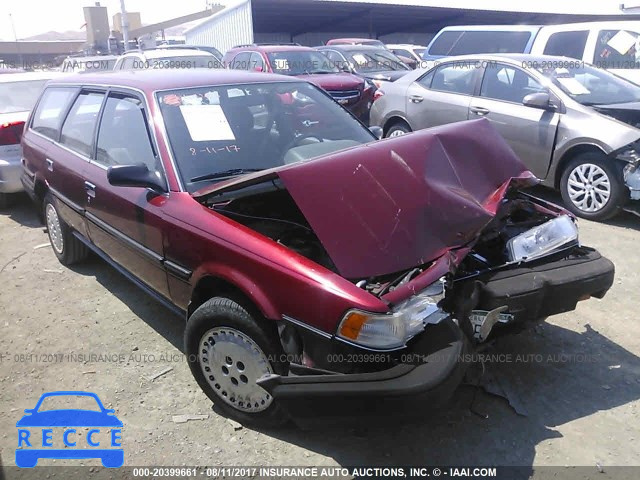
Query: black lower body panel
[{"x": 535, "y": 291}]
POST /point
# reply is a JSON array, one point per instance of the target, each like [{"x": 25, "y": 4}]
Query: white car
[
  {"x": 407, "y": 50},
  {"x": 18, "y": 94},
  {"x": 163, "y": 58}
]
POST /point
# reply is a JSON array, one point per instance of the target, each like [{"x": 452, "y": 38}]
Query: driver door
[
  {"x": 126, "y": 223},
  {"x": 531, "y": 132}
]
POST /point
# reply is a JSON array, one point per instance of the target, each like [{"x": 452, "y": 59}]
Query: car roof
[
  {"x": 273, "y": 48},
  {"x": 26, "y": 76},
  {"x": 513, "y": 58},
  {"x": 165, "y": 52},
  {"x": 404, "y": 45},
  {"x": 353, "y": 47},
  {"x": 492, "y": 28},
  {"x": 150, "y": 80},
  {"x": 600, "y": 25}
]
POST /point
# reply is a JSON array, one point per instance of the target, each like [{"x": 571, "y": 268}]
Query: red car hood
[
  {"x": 399, "y": 203},
  {"x": 334, "y": 81}
]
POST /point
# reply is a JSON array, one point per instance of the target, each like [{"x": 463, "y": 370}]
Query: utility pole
[
  {"x": 13, "y": 27},
  {"x": 125, "y": 25}
]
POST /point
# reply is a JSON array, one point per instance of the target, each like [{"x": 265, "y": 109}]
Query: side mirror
[
  {"x": 135, "y": 176},
  {"x": 538, "y": 100},
  {"x": 377, "y": 131}
]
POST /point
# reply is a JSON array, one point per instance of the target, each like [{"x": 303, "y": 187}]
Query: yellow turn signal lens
[{"x": 351, "y": 325}]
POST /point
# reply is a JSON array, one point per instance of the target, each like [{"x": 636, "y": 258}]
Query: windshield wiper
[{"x": 225, "y": 173}]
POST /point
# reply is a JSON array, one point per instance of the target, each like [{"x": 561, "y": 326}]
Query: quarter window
[
  {"x": 567, "y": 44},
  {"x": 454, "y": 78},
  {"x": 123, "y": 137},
  {"x": 48, "y": 116},
  {"x": 508, "y": 84},
  {"x": 78, "y": 128}
]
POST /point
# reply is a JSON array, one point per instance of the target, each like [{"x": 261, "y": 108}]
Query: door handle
[
  {"x": 90, "y": 189},
  {"x": 479, "y": 111},
  {"x": 416, "y": 98},
  {"x": 49, "y": 164}
]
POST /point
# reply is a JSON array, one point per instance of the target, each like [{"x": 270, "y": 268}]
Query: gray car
[{"x": 576, "y": 127}]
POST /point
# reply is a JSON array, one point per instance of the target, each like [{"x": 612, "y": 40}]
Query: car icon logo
[{"x": 36, "y": 432}]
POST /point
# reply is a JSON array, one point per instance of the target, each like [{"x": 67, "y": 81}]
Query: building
[{"x": 313, "y": 22}]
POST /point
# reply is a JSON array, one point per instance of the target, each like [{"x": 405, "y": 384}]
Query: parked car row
[{"x": 316, "y": 266}]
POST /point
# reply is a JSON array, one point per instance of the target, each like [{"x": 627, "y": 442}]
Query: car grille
[{"x": 345, "y": 97}]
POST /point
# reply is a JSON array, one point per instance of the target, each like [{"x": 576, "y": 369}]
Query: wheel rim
[
  {"x": 54, "y": 229},
  {"x": 589, "y": 187},
  {"x": 231, "y": 362},
  {"x": 396, "y": 133}
]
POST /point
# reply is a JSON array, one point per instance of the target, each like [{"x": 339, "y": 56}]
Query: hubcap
[
  {"x": 396, "y": 133},
  {"x": 589, "y": 187},
  {"x": 232, "y": 362},
  {"x": 54, "y": 229}
]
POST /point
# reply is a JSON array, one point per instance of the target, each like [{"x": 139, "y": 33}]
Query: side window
[
  {"x": 426, "y": 80},
  {"x": 444, "y": 43},
  {"x": 567, "y": 44},
  {"x": 241, "y": 61},
  {"x": 48, "y": 116},
  {"x": 491, "y": 42},
  {"x": 78, "y": 128},
  {"x": 256, "y": 62},
  {"x": 502, "y": 82},
  {"x": 127, "y": 63},
  {"x": 123, "y": 136},
  {"x": 454, "y": 78},
  {"x": 617, "y": 49}
]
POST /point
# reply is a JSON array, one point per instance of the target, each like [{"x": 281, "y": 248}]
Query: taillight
[
  {"x": 11, "y": 133},
  {"x": 377, "y": 94}
]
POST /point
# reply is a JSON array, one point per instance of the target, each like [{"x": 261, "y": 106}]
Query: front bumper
[
  {"x": 430, "y": 369},
  {"x": 10, "y": 173},
  {"x": 546, "y": 288}
]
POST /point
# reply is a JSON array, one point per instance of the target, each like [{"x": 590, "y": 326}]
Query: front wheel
[
  {"x": 592, "y": 187},
  {"x": 398, "y": 130},
  {"x": 229, "y": 349}
]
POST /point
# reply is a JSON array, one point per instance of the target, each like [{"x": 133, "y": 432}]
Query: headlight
[
  {"x": 387, "y": 331},
  {"x": 542, "y": 239}
]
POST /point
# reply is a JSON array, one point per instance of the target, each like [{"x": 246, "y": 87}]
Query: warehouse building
[{"x": 313, "y": 22}]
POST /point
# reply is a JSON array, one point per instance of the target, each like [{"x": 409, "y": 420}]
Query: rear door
[
  {"x": 67, "y": 156},
  {"x": 442, "y": 95},
  {"x": 531, "y": 132},
  {"x": 126, "y": 222}
]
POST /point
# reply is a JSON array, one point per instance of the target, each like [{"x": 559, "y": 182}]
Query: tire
[
  {"x": 66, "y": 247},
  {"x": 398, "y": 129},
  {"x": 224, "y": 340},
  {"x": 6, "y": 200},
  {"x": 601, "y": 200}
]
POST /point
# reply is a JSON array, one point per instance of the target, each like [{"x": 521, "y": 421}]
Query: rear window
[
  {"x": 48, "y": 115},
  {"x": 19, "y": 96},
  {"x": 470, "y": 42}
]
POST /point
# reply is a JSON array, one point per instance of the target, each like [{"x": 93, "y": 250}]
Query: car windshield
[
  {"x": 379, "y": 60},
  {"x": 182, "y": 61},
  {"x": 300, "y": 63},
  {"x": 591, "y": 86},
  {"x": 220, "y": 131},
  {"x": 19, "y": 96},
  {"x": 69, "y": 402}
]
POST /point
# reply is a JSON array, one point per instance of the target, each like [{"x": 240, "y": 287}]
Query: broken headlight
[
  {"x": 388, "y": 331},
  {"x": 543, "y": 239}
]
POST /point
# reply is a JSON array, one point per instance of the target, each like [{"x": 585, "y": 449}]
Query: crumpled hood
[
  {"x": 628, "y": 113},
  {"x": 399, "y": 203}
]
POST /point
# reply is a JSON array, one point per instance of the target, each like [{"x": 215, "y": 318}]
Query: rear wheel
[
  {"x": 229, "y": 348},
  {"x": 66, "y": 247},
  {"x": 592, "y": 187},
  {"x": 398, "y": 129}
]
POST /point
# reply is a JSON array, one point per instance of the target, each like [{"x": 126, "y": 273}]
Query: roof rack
[{"x": 268, "y": 44}]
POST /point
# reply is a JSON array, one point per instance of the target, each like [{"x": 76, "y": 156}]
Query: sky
[{"x": 32, "y": 17}]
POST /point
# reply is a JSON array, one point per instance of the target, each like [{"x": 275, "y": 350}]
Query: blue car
[{"x": 68, "y": 418}]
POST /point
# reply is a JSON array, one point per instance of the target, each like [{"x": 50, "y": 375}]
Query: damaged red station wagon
[{"x": 312, "y": 262}]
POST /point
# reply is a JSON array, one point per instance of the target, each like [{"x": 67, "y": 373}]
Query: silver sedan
[{"x": 576, "y": 127}]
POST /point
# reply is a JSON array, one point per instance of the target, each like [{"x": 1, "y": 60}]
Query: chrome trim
[
  {"x": 71, "y": 204},
  {"x": 301, "y": 324},
  {"x": 178, "y": 270},
  {"x": 125, "y": 238},
  {"x": 369, "y": 349}
]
